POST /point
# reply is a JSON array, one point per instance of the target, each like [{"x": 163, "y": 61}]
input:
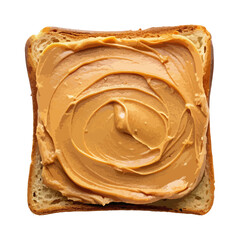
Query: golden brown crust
[
  {"x": 143, "y": 33},
  {"x": 32, "y": 80},
  {"x": 77, "y": 34}
]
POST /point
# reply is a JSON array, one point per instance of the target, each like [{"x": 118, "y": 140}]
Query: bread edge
[{"x": 116, "y": 206}]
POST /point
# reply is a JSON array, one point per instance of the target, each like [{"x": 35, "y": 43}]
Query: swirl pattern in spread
[{"x": 122, "y": 120}]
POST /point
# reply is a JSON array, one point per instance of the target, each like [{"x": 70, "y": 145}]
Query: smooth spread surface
[{"x": 122, "y": 120}]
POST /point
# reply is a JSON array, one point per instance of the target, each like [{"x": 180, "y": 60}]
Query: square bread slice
[{"x": 44, "y": 200}]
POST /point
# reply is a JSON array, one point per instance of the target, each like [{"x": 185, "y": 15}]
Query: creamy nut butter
[{"x": 122, "y": 120}]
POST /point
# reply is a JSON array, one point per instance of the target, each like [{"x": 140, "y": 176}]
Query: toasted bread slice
[{"x": 43, "y": 200}]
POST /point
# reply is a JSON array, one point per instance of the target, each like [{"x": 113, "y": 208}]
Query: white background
[{"x": 19, "y": 20}]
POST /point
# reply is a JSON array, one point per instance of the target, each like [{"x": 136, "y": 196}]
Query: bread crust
[{"x": 78, "y": 34}]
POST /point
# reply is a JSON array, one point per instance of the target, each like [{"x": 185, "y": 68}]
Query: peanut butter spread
[{"x": 122, "y": 120}]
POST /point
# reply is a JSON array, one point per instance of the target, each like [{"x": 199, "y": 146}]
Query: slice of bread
[{"x": 43, "y": 200}]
